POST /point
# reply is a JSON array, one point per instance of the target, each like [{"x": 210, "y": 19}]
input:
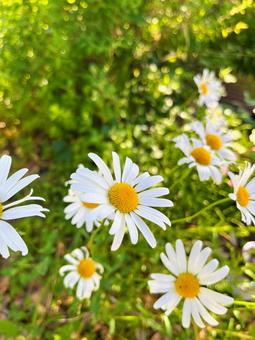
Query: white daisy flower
[
  {"x": 209, "y": 87},
  {"x": 244, "y": 193},
  {"x": 78, "y": 211},
  {"x": 200, "y": 156},
  {"x": 127, "y": 198},
  {"x": 9, "y": 238},
  {"x": 189, "y": 282},
  {"x": 213, "y": 136},
  {"x": 83, "y": 271}
]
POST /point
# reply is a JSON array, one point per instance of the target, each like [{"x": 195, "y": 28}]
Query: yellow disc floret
[
  {"x": 90, "y": 205},
  {"x": 214, "y": 141},
  {"x": 123, "y": 197},
  {"x": 242, "y": 196},
  {"x": 201, "y": 155},
  {"x": 86, "y": 268},
  {"x": 204, "y": 88},
  {"x": 1, "y": 210},
  {"x": 187, "y": 285}
]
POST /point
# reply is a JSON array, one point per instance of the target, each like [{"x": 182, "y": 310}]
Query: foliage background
[{"x": 79, "y": 76}]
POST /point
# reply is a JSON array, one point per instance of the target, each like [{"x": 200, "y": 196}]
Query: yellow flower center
[
  {"x": 242, "y": 196},
  {"x": 86, "y": 268},
  {"x": 213, "y": 141},
  {"x": 187, "y": 285},
  {"x": 201, "y": 155},
  {"x": 1, "y": 210},
  {"x": 90, "y": 205},
  {"x": 123, "y": 197},
  {"x": 204, "y": 88}
]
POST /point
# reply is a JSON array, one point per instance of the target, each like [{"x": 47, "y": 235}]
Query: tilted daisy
[
  {"x": 83, "y": 271},
  {"x": 9, "y": 238},
  {"x": 78, "y": 210},
  {"x": 128, "y": 198},
  {"x": 200, "y": 156},
  {"x": 189, "y": 282},
  {"x": 209, "y": 87},
  {"x": 212, "y": 135},
  {"x": 244, "y": 193}
]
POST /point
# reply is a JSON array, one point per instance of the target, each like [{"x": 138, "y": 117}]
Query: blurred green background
[{"x": 79, "y": 76}]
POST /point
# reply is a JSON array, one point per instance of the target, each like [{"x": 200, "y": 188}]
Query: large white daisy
[
  {"x": 200, "y": 156},
  {"x": 83, "y": 271},
  {"x": 212, "y": 135},
  {"x": 189, "y": 282},
  {"x": 9, "y": 238},
  {"x": 209, "y": 87},
  {"x": 244, "y": 193},
  {"x": 126, "y": 198}
]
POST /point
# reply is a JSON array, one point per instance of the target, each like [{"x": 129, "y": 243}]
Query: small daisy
[
  {"x": 209, "y": 87},
  {"x": 83, "y": 271},
  {"x": 244, "y": 193},
  {"x": 200, "y": 156},
  {"x": 212, "y": 135},
  {"x": 128, "y": 198},
  {"x": 78, "y": 210},
  {"x": 189, "y": 282},
  {"x": 9, "y": 238}
]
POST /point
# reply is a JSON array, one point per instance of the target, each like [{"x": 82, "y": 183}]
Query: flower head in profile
[
  {"x": 199, "y": 155},
  {"x": 127, "y": 198},
  {"x": 212, "y": 135},
  {"x": 209, "y": 87},
  {"x": 79, "y": 210},
  {"x": 189, "y": 280},
  {"x": 83, "y": 271},
  {"x": 244, "y": 193},
  {"x": 9, "y": 187}
]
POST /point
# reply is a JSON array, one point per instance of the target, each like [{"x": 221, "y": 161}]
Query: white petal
[
  {"x": 155, "y": 192},
  {"x": 201, "y": 259},
  {"x": 148, "y": 182},
  {"x": 23, "y": 211},
  {"x": 208, "y": 269},
  {"x": 181, "y": 256},
  {"x": 194, "y": 253},
  {"x": 216, "y": 276},
  {"x": 5, "y": 165},
  {"x": 116, "y": 223},
  {"x": 205, "y": 315},
  {"x": 132, "y": 229},
  {"x": 118, "y": 237},
  {"x": 156, "y": 202},
  {"x": 66, "y": 268},
  {"x": 195, "y": 314},
  {"x": 102, "y": 167},
  {"x": 71, "y": 279},
  {"x": 127, "y": 167},
  {"x": 186, "y": 313},
  {"x": 116, "y": 166},
  {"x": 171, "y": 266},
  {"x": 19, "y": 186},
  {"x": 144, "y": 229},
  {"x": 12, "y": 239}
]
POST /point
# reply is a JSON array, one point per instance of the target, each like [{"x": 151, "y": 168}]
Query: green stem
[
  {"x": 188, "y": 218},
  {"x": 248, "y": 304}
]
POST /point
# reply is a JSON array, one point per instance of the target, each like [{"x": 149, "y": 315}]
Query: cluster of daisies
[{"x": 125, "y": 199}]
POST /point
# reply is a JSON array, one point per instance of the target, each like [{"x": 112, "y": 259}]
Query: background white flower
[
  {"x": 83, "y": 271},
  {"x": 188, "y": 281},
  {"x": 212, "y": 135},
  {"x": 78, "y": 211},
  {"x": 127, "y": 198},
  {"x": 9, "y": 238},
  {"x": 209, "y": 87},
  {"x": 200, "y": 156},
  {"x": 244, "y": 193}
]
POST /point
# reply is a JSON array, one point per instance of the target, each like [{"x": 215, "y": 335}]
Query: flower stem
[{"x": 188, "y": 218}]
